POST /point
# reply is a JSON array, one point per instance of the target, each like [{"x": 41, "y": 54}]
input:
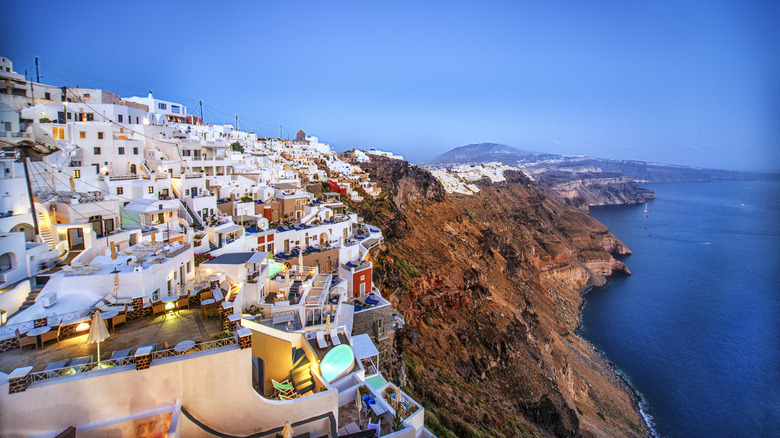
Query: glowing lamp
[
  {"x": 169, "y": 306},
  {"x": 82, "y": 326}
]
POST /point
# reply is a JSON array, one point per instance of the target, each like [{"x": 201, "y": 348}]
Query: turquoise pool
[
  {"x": 337, "y": 363},
  {"x": 376, "y": 381}
]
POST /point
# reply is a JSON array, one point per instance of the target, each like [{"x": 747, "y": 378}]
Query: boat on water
[{"x": 646, "y": 211}]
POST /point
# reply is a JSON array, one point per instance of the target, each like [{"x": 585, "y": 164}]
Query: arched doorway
[
  {"x": 27, "y": 229},
  {"x": 7, "y": 261},
  {"x": 133, "y": 169}
]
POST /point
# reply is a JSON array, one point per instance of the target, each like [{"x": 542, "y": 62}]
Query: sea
[{"x": 696, "y": 328}]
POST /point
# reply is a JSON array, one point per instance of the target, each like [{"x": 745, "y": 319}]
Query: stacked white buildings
[{"x": 133, "y": 202}]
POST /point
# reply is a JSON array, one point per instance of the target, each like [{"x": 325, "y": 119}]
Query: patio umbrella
[
  {"x": 287, "y": 430},
  {"x": 358, "y": 402},
  {"x": 154, "y": 236},
  {"x": 327, "y": 324},
  {"x": 97, "y": 332},
  {"x": 300, "y": 261},
  {"x": 116, "y": 285}
]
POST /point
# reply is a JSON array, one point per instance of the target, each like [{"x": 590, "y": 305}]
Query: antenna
[
  {"x": 37, "y": 76},
  {"x": 200, "y": 102}
]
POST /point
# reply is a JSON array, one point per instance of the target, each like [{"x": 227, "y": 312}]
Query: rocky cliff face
[
  {"x": 584, "y": 190},
  {"x": 490, "y": 287}
]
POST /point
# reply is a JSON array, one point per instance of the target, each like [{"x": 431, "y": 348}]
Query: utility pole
[
  {"x": 200, "y": 102},
  {"x": 32, "y": 87},
  {"x": 37, "y": 76},
  {"x": 280, "y": 132},
  {"x": 236, "y": 122}
]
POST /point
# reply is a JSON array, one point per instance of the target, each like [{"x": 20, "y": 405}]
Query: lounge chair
[
  {"x": 321, "y": 342},
  {"x": 51, "y": 335},
  {"x": 121, "y": 356},
  {"x": 284, "y": 388},
  {"x": 25, "y": 340},
  {"x": 68, "y": 270},
  {"x": 78, "y": 364},
  {"x": 55, "y": 368},
  {"x": 334, "y": 337}
]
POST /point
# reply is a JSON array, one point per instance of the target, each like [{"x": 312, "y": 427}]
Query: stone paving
[{"x": 175, "y": 327}]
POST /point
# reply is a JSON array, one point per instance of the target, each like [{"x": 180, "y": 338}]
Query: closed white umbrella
[
  {"x": 97, "y": 332},
  {"x": 287, "y": 430},
  {"x": 358, "y": 402}
]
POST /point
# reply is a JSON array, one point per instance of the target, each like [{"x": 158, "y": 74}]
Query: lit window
[
  {"x": 150, "y": 189},
  {"x": 77, "y": 173},
  {"x": 82, "y": 134},
  {"x": 100, "y": 136},
  {"x": 59, "y": 133},
  {"x": 96, "y": 150},
  {"x": 120, "y": 190}
]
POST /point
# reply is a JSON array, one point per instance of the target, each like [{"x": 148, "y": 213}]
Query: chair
[
  {"x": 321, "y": 342},
  {"x": 51, "y": 335},
  {"x": 183, "y": 301},
  {"x": 284, "y": 388},
  {"x": 158, "y": 307},
  {"x": 209, "y": 309},
  {"x": 374, "y": 426},
  {"x": 25, "y": 340},
  {"x": 120, "y": 319},
  {"x": 121, "y": 356},
  {"x": 334, "y": 337},
  {"x": 55, "y": 368},
  {"x": 206, "y": 295}
]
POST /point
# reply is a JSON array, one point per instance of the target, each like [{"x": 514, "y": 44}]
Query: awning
[
  {"x": 363, "y": 347},
  {"x": 228, "y": 228}
]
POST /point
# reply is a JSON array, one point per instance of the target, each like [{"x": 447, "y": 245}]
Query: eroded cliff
[
  {"x": 583, "y": 190},
  {"x": 490, "y": 287}
]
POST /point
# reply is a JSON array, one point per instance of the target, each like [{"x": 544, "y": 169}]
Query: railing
[
  {"x": 202, "y": 346},
  {"x": 128, "y": 360},
  {"x": 24, "y": 326}
]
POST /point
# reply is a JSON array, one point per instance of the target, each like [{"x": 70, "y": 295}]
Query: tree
[{"x": 236, "y": 146}]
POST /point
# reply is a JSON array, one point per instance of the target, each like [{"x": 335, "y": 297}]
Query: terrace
[{"x": 163, "y": 331}]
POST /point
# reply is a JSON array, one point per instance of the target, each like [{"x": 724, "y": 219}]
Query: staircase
[
  {"x": 195, "y": 217},
  {"x": 212, "y": 247},
  {"x": 45, "y": 230},
  {"x": 29, "y": 301},
  {"x": 301, "y": 372},
  {"x": 295, "y": 292}
]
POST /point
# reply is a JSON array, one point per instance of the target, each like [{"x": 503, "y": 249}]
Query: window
[
  {"x": 186, "y": 192},
  {"x": 175, "y": 108},
  {"x": 77, "y": 173},
  {"x": 87, "y": 96},
  {"x": 100, "y": 136},
  {"x": 96, "y": 151},
  {"x": 6, "y": 126},
  {"x": 150, "y": 189},
  {"x": 162, "y": 106},
  {"x": 121, "y": 151},
  {"x": 119, "y": 118},
  {"x": 47, "y": 96},
  {"x": 189, "y": 267},
  {"x": 70, "y": 115},
  {"x": 135, "y": 151},
  {"x": 58, "y": 133},
  {"x": 82, "y": 134},
  {"x": 136, "y": 120},
  {"x": 120, "y": 190},
  {"x": 186, "y": 153}
]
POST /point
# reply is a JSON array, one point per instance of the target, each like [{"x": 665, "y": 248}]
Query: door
[
  {"x": 108, "y": 226},
  {"x": 75, "y": 239}
]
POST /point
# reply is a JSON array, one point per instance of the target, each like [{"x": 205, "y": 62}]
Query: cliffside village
[{"x": 162, "y": 276}]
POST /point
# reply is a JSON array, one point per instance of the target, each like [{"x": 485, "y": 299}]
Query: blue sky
[{"x": 694, "y": 83}]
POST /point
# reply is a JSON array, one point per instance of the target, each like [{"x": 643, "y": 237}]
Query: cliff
[
  {"x": 583, "y": 190},
  {"x": 490, "y": 287}
]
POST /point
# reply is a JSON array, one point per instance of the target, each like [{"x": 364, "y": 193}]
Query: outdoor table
[
  {"x": 208, "y": 301},
  {"x": 183, "y": 346},
  {"x": 169, "y": 299},
  {"x": 109, "y": 315},
  {"x": 378, "y": 408},
  {"x": 37, "y": 332}
]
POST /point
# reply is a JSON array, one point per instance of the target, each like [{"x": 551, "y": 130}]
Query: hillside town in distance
[{"x": 163, "y": 276}]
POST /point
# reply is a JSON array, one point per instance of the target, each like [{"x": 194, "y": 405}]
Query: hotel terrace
[{"x": 162, "y": 277}]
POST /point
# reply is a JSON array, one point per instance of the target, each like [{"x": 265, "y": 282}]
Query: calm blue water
[{"x": 696, "y": 328}]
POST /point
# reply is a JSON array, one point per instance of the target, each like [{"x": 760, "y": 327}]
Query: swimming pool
[{"x": 337, "y": 363}]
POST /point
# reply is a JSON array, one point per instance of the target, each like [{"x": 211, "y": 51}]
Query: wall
[
  {"x": 215, "y": 386},
  {"x": 11, "y": 300}
]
